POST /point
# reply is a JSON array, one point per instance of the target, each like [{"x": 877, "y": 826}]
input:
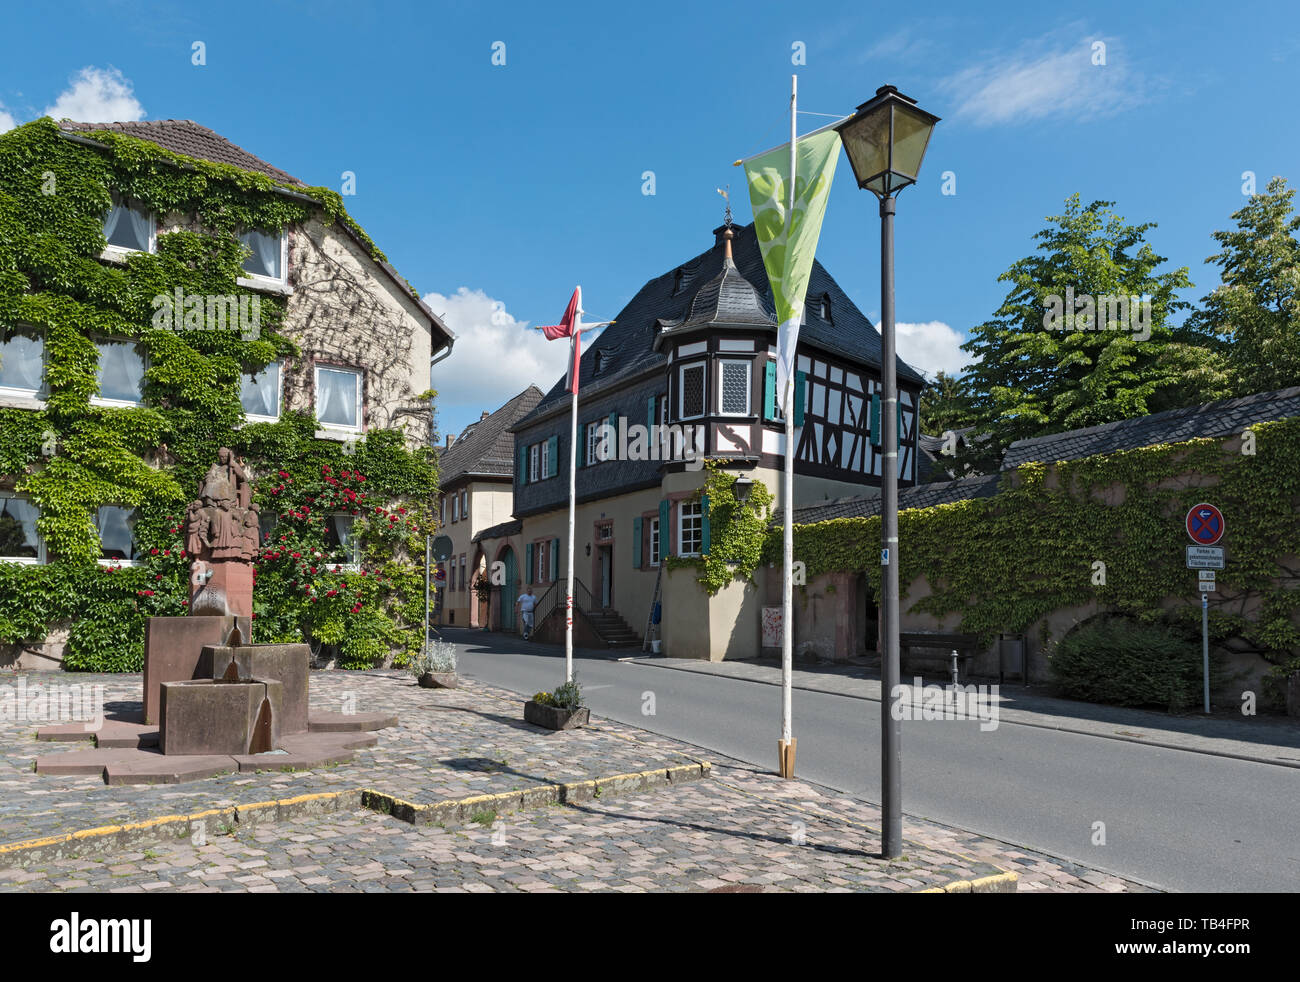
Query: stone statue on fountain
[{"x": 221, "y": 538}]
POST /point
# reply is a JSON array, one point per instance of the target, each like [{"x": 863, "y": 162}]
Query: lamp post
[{"x": 886, "y": 140}]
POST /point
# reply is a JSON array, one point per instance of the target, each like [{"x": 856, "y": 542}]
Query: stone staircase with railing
[{"x": 606, "y": 623}]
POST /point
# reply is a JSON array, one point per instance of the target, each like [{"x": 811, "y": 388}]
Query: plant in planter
[
  {"x": 558, "y": 710},
  {"x": 434, "y": 667}
]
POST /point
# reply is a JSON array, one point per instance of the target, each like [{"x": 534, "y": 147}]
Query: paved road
[{"x": 1179, "y": 820}]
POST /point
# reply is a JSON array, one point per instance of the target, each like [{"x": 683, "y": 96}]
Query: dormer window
[
  {"x": 824, "y": 308},
  {"x": 677, "y": 282},
  {"x": 600, "y": 361}
]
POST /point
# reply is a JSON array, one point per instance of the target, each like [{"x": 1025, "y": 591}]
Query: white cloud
[
  {"x": 97, "y": 95},
  {"x": 931, "y": 348},
  {"x": 494, "y": 359},
  {"x": 1052, "y": 76},
  {"x": 6, "y": 121}
]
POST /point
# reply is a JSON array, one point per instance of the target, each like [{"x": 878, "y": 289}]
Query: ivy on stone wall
[
  {"x": 1107, "y": 529},
  {"x": 71, "y": 457},
  {"x": 736, "y": 531}
]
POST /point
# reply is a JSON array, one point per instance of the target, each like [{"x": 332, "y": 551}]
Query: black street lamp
[{"x": 886, "y": 140}]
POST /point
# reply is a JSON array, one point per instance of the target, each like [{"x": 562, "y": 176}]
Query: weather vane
[{"x": 727, "y": 196}]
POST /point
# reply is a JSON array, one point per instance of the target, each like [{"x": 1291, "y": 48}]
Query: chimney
[
  {"x": 485, "y": 415},
  {"x": 450, "y": 439}
]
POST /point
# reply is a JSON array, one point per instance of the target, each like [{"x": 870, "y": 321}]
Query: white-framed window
[
  {"x": 338, "y": 398},
  {"x": 22, "y": 365},
  {"x": 261, "y": 392},
  {"x": 539, "y": 550},
  {"x": 339, "y": 539},
  {"x": 268, "y": 255},
  {"x": 593, "y": 443},
  {"x": 546, "y": 458},
  {"x": 535, "y": 472},
  {"x": 120, "y": 374},
  {"x": 690, "y": 528},
  {"x": 19, "y": 540},
  {"x": 116, "y": 527},
  {"x": 464, "y": 504},
  {"x": 462, "y": 572},
  {"x": 734, "y": 386},
  {"x": 128, "y": 228},
  {"x": 690, "y": 390},
  {"x": 455, "y": 508},
  {"x": 654, "y": 542}
]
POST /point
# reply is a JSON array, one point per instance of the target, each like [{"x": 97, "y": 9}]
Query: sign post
[{"x": 1205, "y": 527}]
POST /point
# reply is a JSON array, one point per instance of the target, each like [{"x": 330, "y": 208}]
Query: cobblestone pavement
[{"x": 740, "y": 828}]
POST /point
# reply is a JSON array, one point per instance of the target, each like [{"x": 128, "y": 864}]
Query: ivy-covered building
[
  {"x": 686, "y": 375},
  {"x": 164, "y": 293}
]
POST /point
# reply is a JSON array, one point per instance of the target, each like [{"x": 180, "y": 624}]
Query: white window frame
[
  {"x": 703, "y": 367},
  {"x": 41, "y": 391},
  {"x": 593, "y": 442},
  {"x": 654, "y": 541},
  {"x": 254, "y": 279},
  {"x": 464, "y": 504},
  {"x": 279, "y": 394},
  {"x": 97, "y": 400},
  {"x": 455, "y": 508},
  {"x": 357, "y": 374},
  {"x": 697, "y": 513},
  {"x": 749, "y": 385},
  {"x": 546, "y": 459},
  {"x": 39, "y": 559},
  {"x": 119, "y": 253},
  {"x": 135, "y": 544},
  {"x": 534, "y": 463},
  {"x": 539, "y": 552},
  {"x": 353, "y": 564}
]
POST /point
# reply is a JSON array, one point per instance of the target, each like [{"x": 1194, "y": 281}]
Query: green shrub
[{"x": 1125, "y": 662}]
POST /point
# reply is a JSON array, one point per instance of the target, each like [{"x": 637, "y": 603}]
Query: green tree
[
  {"x": 945, "y": 405},
  {"x": 1037, "y": 370},
  {"x": 1254, "y": 315}
]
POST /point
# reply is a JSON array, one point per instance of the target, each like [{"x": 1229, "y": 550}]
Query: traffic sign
[
  {"x": 442, "y": 547},
  {"x": 1205, "y": 557},
  {"x": 1205, "y": 524},
  {"x": 1207, "y": 586},
  {"x": 1206, "y": 574}
]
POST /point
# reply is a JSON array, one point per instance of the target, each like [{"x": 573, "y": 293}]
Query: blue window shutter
[
  {"x": 636, "y": 542},
  {"x": 555, "y": 559},
  {"x": 704, "y": 524},
  {"x": 553, "y": 454},
  {"x": 665, "y": 533},
  {"x": 876, "y": 437},
  {"x": 769, "y": 390},
  {"x": 650, "y": 415},
  {"x": 528, "y": 561},
  {"x": 800, "y": 383},
  {"x": 523, "y": 465}
]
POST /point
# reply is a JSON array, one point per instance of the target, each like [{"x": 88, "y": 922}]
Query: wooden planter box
[
  {"x": 438, "y": 680},
  {"x": 555, "y": 718}
]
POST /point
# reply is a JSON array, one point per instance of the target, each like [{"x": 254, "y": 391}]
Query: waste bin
[{"x": 1013, "y": 658}]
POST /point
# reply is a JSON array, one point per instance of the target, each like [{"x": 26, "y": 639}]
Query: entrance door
[
  {"x": 509, "y": 592},
  {"x": 607, "y": 576}
]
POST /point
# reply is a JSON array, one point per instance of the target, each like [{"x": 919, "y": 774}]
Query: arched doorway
[{"x": 509, "y": 590}]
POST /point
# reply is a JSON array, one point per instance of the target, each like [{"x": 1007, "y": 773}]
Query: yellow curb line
[{"x": 1001, "y": 883}]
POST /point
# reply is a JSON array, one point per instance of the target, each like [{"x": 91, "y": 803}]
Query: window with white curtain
[
  {"x": 19, "y": 541},
  {"x": 120, "y": 374},
  {"x": 338, "y": 397},
  {"x": 259, "y": 393},
  {"x": 116, "y": 527},
  {"x": 267, "y": 254},
  {"x": 128, "y": 227},
  {"x": 22, "y": 365},
  {"x": 340, "y": 540}
]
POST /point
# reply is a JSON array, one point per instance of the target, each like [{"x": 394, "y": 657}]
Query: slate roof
[
  {"x": 184, "y": 136},
  {"x": 920, "y": 496},
  {"x": 631, "y": 340},
  {"x": 486, "y": 448},
  {"x": 727, "y": 300},
  {"x": 1213, "y": 419},
  {"x": 513, "y": 527}
]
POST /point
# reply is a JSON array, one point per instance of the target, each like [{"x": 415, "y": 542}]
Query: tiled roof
[
  {"x": 630, "y": 341},
  {"x": 512, "y": 527},
  {"x": 727, "y": 300},
  {"x": 487, "y": 447},
  {"x": 921, "y": 496},
  {"x": 1213, "y": 419},
  {"x": 184, "y": 136}
]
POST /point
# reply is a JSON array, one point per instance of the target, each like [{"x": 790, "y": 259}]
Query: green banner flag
[{"x": 788, "y": 247}]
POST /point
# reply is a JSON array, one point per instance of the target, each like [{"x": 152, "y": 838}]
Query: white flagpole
[
  {"x": 573, "y": 498},
  {"x": 787, "y": 564}
]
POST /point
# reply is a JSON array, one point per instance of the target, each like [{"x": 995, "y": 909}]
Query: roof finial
[{"x": 726, "y": 194}]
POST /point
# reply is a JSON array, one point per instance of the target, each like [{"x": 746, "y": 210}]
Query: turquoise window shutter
[
  {"x": 636, "y": 542},
  {"x": 665, "y": 536},
  {"x": 704, "y": 524},
  {"x": 555, "y": 559},
  {"x": 523, "y": 465},
  {"x": 650, "y": 415},
  {"x": 876, "y": 437},
  {"x": 769, "y": 390},
  {"x": 528, "y": 561},
  {"x": 553, "y": 454},
  {"x": 800, "y": 383}
]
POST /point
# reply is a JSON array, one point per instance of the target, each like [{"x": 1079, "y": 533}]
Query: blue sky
[{"x": 496, "y": 188}]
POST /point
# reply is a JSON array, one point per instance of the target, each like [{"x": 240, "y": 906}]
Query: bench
[{"x": 963, "y": 646}]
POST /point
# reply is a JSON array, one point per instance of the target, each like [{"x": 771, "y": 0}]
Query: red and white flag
[{"x": 570, "y": 327}]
